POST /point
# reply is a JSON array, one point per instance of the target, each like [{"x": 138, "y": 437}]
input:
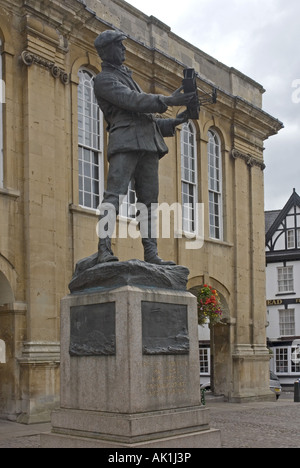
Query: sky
[{"x": 260, "y": 38}]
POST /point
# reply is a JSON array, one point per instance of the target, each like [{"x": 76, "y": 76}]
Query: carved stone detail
[
  {"x": 249, "y": 160},
  {"x": 29, "y": 59}
]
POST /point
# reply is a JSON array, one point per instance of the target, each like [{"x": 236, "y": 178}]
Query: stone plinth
[{"x": 130, "y": 371}]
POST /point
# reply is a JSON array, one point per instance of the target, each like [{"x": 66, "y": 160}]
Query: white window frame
[
  {"x": 287, "y": 323},
  {"x": 204, "y": 356},
  {"x": 286, "y": 365},
  {"x": 215, "y": 186},
  {"x": 281, "y": 360},
  {"x": 298, "y": 238},
  {"x": 189, "y": 178},
  {"x": 90, "y": 144},
  {"x": 291, "y": 241},
  {"x": 285, "y": 278}
]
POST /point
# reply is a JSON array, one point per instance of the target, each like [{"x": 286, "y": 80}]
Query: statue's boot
[
  {"x": 105, "y": 254},
  {"x": 151, "y": 253},
  {"x": 105, "y": 229}
]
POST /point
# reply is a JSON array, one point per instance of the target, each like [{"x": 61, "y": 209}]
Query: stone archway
[
  {"x": 6, "y": 292},
  {"x": 12, "y": 332},
  {"x": 220, "y": 349}
]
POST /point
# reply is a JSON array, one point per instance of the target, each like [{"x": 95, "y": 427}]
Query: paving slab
[
  {"x": 14, "y": 435},
  {"x": 249, "y": 425}
]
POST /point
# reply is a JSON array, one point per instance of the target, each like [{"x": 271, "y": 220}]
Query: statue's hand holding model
[{"x": 136, "y": 141}]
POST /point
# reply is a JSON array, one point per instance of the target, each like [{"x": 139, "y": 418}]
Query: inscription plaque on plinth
[
  {"x": 173, "y": 381},
  {"x": 93, "y": 330},
  {"x": 165, "y": 328}
]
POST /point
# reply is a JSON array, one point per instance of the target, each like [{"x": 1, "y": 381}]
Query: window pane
[
  {"x": 87, "y": 185},
  {"x": 88, "y": 200},
  {"x": 80, "y": 198},
  {"x": 80, "y": 183},
  {"x": 128, "y": 207},
  {"x": 87, "y": 169},
  {"x": 96, "y": 201}
]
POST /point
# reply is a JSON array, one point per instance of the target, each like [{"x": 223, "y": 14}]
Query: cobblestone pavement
[
  {"x": 258, "y": 425},
  {"x": 249, "y": 425}
]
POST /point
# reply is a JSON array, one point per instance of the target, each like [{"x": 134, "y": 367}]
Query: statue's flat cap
[{"x": 107, "y": 37}]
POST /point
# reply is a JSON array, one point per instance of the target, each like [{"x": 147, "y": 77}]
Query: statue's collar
[{"x": 120, "y": 68}]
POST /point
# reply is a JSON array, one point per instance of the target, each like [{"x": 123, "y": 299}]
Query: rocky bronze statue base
[{"x": 130, "y": 366}]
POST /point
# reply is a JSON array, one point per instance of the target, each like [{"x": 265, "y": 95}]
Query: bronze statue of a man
[{"x": 135, "y": 139}]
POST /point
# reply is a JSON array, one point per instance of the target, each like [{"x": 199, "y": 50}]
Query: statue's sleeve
[
  {"x": 166, "y": 126},
  {"x": 125, "y": 98}
]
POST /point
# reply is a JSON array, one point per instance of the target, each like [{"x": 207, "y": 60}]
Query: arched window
[
  {"x": 2, "y": 100},
  {"x": 215, "y": 186},
  {"x": 90, "y": 143},
  {"x": 189, "y": 177}
]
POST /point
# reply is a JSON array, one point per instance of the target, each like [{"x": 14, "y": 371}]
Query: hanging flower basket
[{"x": 209, "y": 306}]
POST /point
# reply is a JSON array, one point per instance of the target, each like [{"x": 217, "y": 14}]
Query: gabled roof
[
  {"x": 275, "y": 218},
  {"x": 270, "y": 218}
]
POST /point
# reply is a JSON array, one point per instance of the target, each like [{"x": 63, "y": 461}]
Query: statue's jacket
[{"x": 130, "y": 113}]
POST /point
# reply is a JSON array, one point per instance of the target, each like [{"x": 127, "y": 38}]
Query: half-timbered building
[{"x": 283, "y": 288}]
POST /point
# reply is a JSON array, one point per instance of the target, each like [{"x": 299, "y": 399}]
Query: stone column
[{"x": 250, "y": 371}]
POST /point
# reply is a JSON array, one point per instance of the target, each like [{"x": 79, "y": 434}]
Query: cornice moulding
[
  {"x": 28, "y": 58},
  {"x": 251, "y": 161}
]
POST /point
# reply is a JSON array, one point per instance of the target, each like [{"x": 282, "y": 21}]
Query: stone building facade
[{"x": 52, "y": 160}]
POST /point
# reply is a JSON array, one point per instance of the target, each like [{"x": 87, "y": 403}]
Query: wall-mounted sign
[{"x": 278, "y": 302}]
